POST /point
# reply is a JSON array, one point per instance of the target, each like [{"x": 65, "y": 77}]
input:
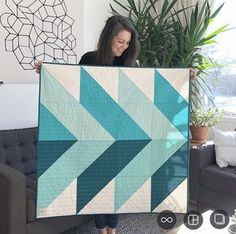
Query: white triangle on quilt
[
  {"x": 177, "y": 200},
  {"x": 106, "y": 78},
  {"x": 65, "y": 202},
  {"x": 103, "y": 202},
  {"x": 143, "y": 79},
  {"x": 139, "y": 201},
  {"x": 179, "y": 79},
  {"x": 68, "y": 76}
]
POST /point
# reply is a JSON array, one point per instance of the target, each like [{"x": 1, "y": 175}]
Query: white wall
[
  {"x": 95, "y": 14},
  {"x": 18, "y": 105}
]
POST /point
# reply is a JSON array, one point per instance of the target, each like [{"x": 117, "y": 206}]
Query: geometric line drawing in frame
[{"x": 39, "y": 31}]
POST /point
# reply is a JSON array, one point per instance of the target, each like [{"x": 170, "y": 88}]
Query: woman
[{"x": 118, "y": 45}]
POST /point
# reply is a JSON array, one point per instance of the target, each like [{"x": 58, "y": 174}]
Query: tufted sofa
[
  {"x": 209, "y": 185},
  {"x": 18, "y": 187}
]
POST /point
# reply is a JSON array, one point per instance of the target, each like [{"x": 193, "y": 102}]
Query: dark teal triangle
[
  {"x": 171, "y": 104},
  {"x": 49, "y": 152},
  {"x": 167, "y": 178},
  {"x": 106, "y": 111},
  {"x": 50, "y": 128},
  {"x": 105, "y": 168}
]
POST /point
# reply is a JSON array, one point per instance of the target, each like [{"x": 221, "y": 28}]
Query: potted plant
[
  {"x": 201, "y": 120},
  {"x": 232, "y": 227}
]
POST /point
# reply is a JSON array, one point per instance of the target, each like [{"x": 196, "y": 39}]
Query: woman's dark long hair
[{"x": 113, "y": 26}]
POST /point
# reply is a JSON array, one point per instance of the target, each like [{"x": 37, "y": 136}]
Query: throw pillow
[{"x": 225, "y": 147}]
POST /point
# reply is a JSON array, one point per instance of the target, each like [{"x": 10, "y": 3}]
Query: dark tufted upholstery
[
  {"x": 18, "y": 187},
  {"x": 18, "y": 150}
]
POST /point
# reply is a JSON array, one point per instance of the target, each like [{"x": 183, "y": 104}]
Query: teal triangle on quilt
[
  {"x": 106, "y": 111},
  {"x": 166, "y": 96},
  {"x": 50, "y": 129},
  {"x": 49, "y": 152},
  {"x": 105, "y": 168},
  {"x": 68, "y": 111},
  {"x": 67, "y": 168},
  {"x": 171, "y": 174},
  {"x": 142, "y": 167}
]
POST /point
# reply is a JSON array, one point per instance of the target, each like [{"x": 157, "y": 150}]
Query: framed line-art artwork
[
  {"x": 112, "y": 140},
  {"x": 36, "y": 30}
]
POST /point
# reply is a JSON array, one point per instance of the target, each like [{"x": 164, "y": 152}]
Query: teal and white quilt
[{"x": 112, "y": 140}]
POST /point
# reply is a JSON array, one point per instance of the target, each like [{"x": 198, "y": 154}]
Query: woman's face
[{"x": 120, "y": 42}]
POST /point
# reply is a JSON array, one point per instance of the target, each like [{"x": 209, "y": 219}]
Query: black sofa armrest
[
  {"x": 12, "y": 201},
  {"x": 203, "y": 155},
  {"x": 200, "y": 157}
]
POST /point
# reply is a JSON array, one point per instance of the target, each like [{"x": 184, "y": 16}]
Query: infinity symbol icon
[{"x": 167, "y": 220}]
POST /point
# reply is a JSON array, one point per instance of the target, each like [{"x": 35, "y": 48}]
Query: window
[{"x": 222, "y": 80}]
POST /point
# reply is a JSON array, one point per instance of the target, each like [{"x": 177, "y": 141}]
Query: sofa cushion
[
  {"x": 225, "y": 147},
  {"x": 221, "y": 180}
]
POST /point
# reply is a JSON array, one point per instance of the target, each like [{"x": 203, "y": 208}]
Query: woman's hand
[
  {"x": 37, "y": 66},
  {"x": 192, "y": 74}
]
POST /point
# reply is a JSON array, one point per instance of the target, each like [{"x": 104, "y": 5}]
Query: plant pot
[
  {"x": 232, "y": 229},
  {"x": 199, "y": 134}
]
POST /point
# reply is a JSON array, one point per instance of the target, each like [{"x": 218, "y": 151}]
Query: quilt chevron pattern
[{"x": 112, "y": 140}]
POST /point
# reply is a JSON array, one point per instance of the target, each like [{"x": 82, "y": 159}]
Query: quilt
[{"x": 112, "y": 140}]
